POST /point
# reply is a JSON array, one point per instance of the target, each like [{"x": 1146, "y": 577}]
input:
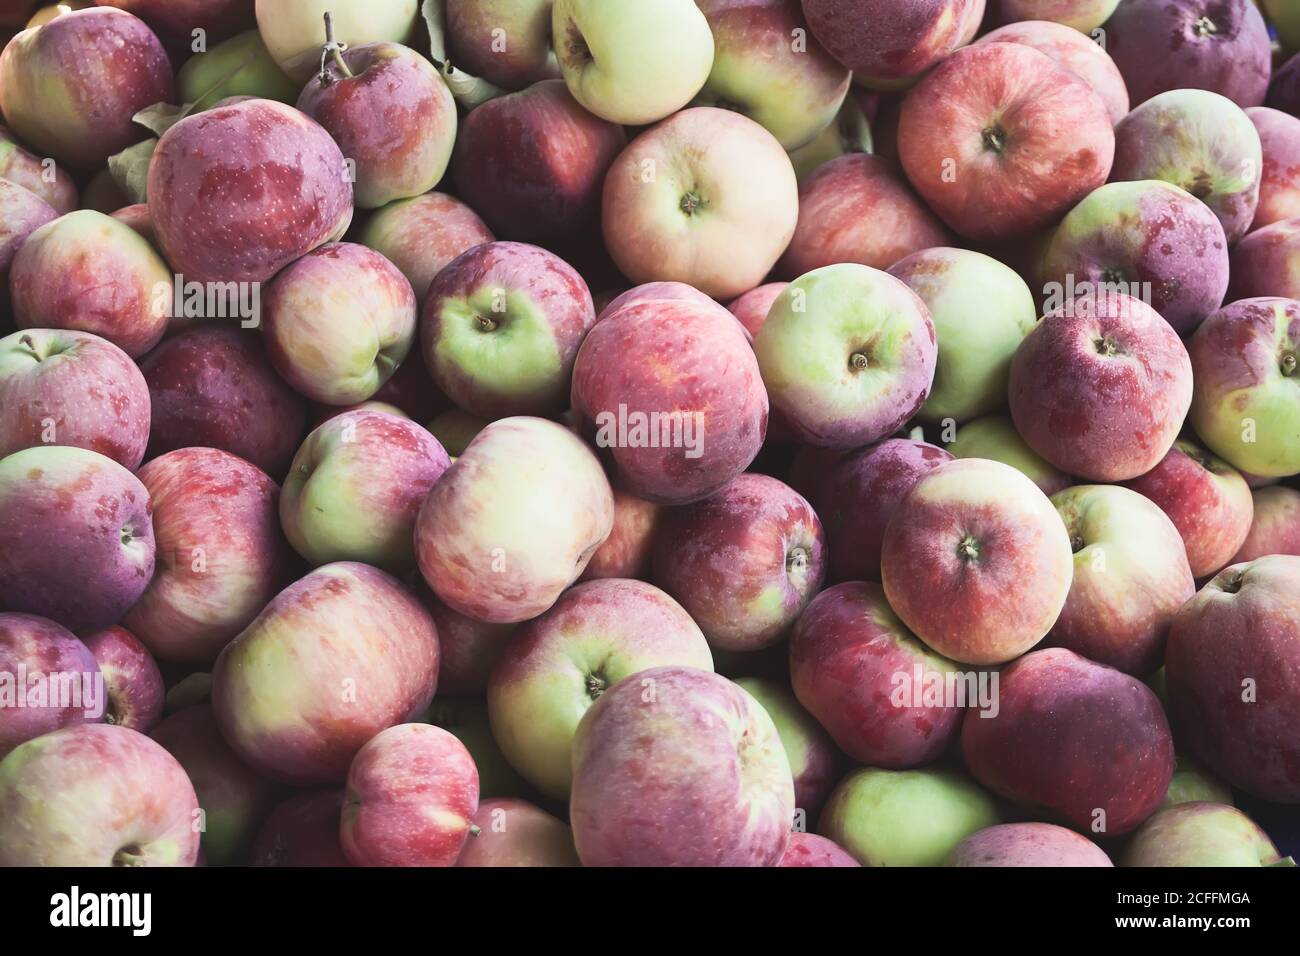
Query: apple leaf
[
  {"x": 469, "y": 91},
  {"x": 161, "y": 117},
  {"x": 130, "y": 170}
]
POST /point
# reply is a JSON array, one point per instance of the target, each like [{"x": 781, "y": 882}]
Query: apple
[
  {"x": 302, "y": 831},
  {"x": 516, "y": 833},
  {"x": 1084, "y": 743},
  {"x": 332, "y": 660},
  {"x": 177, "y": 21},
  {"x": 70, "y": 88},
  {"x": 1284, "y": 89},
  {"x": 421, "y": 236},
  {"x": 102, "y": 194},
  {"x": 412, "y": 794},
  {"x": 96, "y": 795},
  {"x": 514, "y": 521},
  {"x": 225, "y": 209},
  {"x": 849, "y": 132},
  {"x": 905, "y": 817},
  {"x": 814, "y": 759},
  {"x": 630, "y": 62},
  {"x": 995, "y": 437},
  {"x": 976, "y": 561},
  {"x": 1208, "y": 501},
  {"x": 45, "y": 14},
  {"x": 707, "y": 197},
  {"x": 137, "y": 217},
  {"x": 72, "y": 388},
  {"x": 627, "y": 552},
  {"x": 132, "y": 682},
  {"x": 39, "y": 659},
  {"x": 1028, "y": 845},
  {"x": 1100, "y": 388},
  {"x": 468, "y": 649},
  {"x": 193, "y": 689},
  {"x": 752, "y": 307},
  {"x": 1000, "y": 140},
  {"x": 506, "y": 42},
  {"x": 467, "y": 718},
  {"x": 1201, "y": 834},
  {"x": 1192, "y": 783},
  {"x": 1264, "y": 263},
  {"x": 809, "y": 849},
  {"x": 1231, "y": 675},
  {"x": 1279, "y": 187},
  {"x": 22, "y": 212},
  {"x": 1275, "y": 527},
  {"x": 1083, "y": 15},
  {"x": 679, "y": 767},
  {"x": 294, "y": 30},
  {"x": 239, "y": 66},
  {"x": 36, "y": 174},
  {"x": 1246, "y": 407},
  {"x": 501, "y": 327},
  {"x": 889, "y": 41},
  {"x": 455, "y": 429}
]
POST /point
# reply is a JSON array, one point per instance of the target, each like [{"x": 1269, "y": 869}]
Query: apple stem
[
  {"x": 474, "y": 829},
  {"x": 332, "y": 49},
  {"x": 1289, "y": 362},
  {"x": 26, "y": 342},
  {"x": 1285, "y": 861}
]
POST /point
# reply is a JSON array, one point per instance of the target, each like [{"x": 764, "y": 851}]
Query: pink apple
[
  {"x": 515, "y": 833},
  {"x": 1267, "y": 262},
  {"x": 132, "y": 681},
  {"x": 468, "y": 649},
  {"x": 38, "y": 660},
  {"x": 1275, "y": 528},
  {"x": 1028, "y": 845},
  {"x": 1279, "y": 186},
  {"x": 22, "y": 212},
  {"x": 302, "y": 831},
  {"x": 627, "y": 551},
  {"x": 420, "y": 236},
  {"x": 815, "y": 762},
  {"x": 175, "y": 20},
  {"x": 752, "y": 307},
  {"x": 886, "y": 40},
  {"x": 506, "y": 42},
  {"x": 37, "y": 174},
  {"x": 809, "y": 849}
]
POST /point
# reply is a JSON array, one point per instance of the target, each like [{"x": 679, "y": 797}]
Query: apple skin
[
  {"x": 221, "y": 556},
  {"x": 355, "y": 488},
  {"x": 752, "y": 307},
  {"x": 223, "y": 205},
  {"x": 1246, "y": 406},
  {"x": 809, "y": 849},
  {"x": 137, "y": 217},
  {"x": 1275, "y": 528},
  {"x": 1192, "y": 783},
  {"x": 995, "y": 437},
  {"x": 69, "y": 89},
  {"x": 718, "y": 213},
  {"x": 905, "y": 817},
  {"x": 846, "y": 653},
  {"x": 666, "y": 348},
  {"x": 679, "y": 767},
  {"x": 84, "y": 388},
  {"x": 886, "y": 40},
  {"x": 132, "y": 681},
  {"x": 533, "y": 163},
  {"x": 982, "y": 310},
  {"x": 814, "y": 760},
  {"x": 294, "y": 30},
  {"x": 213, "y": 386},
  {"x": 87, "y": 272},
  {"x": 1160, "y": 45},
  {"x": 96, "y": 795},
  {"x": 1279, "y": 186},
  {"x": 989, "y": 181},
  {"x": 557, "y": 666},
  {"x": 976, "y": 561},
  {"x": 629, "y": 62},
  {"x": 517, "y": 833},
  {"x": 467, "y": 718},
  {"x": 421, "y": 235},
  {"x": 1074, "y": 738},
  {"x": 1027, "y": 845},
  {"x": 394, "y": 117},
  {"x": 76, "y": 541},
  {"x": 239, "y": 66},
  {"x": 412, "y": 794},
  {"x": 175, "y": 20},
  {"x": 338, "y": 323},
  {"x": 22, "y": 168},
  {"x": 515, "y": 58},
  {"x": 1267, "y": 262},
  {"x": 1208, "y": 501},
  {"x": 1200, "y": 834},
  {"x": 1072, "y": 49},
  {"x": 501, "y": 327},
  {"x": 468, "y": 649},
  {"x": 1241, "y": 627},
  {"x": 857, "y": 208},
  {"x": 628, "y": 551},
  {"x": 302, "y": 831},
  {"x": 281, "y": 689},
  {"x": 1284, "y": 89},
  {"x": 1131, "y": 576},
  {"x": 1101, "y": 388},
  {"x": 744, "y": 562},
  {"x": 1083, "y": 15},
  {"x": 22, "y": 212},
  {"x": 42, "y": 647},
  {"x": 849, "y": 132}
]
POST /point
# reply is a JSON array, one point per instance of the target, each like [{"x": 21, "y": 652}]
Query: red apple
[
  {"x": 22, "y": 212},
  {"x": 176, "y": 20},
  {"x": 132, "y": 681},
  {"x": 36, "y": 174},
  {"x": 39, "y": 661},
  {"x": 809, "y": 849},
  {"x": 1028, "y": 845},
  {"x": 1279, "y": 180},
  {"x": 468, "y": 649},
  {"x": 815, "y": 762},
  {"x": 886, "y": 40},
  {"x": 302, "y": 831},
  {"x": 1275, "y": 528},
  {"x": 420, "y": 236},
  {"x": 627, "y": 551},
  {"x": 506, "y": 42},
  {"x": 752, "y": 307},
  {"x": 515, "y": 833}
]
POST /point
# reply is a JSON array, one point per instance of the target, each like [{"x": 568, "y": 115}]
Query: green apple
[
  {"x": 240, "y": 66},
  {"x": 1201, "y": 834},
  {"x": 814, "y": 758},
  {"x": 467, "y": 718},
  {"x": 294, "y": 30},
  {"x": 1192, "y": 783},
  {"x": 995, "y": 437},
  {"x": 849, "y": 133}
]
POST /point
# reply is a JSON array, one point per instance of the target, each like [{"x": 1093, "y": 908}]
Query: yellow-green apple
[
  {"x": 976, "y": 561},
  {"x": 815, "y": 762},
  {"x": 708, "y": 198},
  {"x": 767, "y": 67},
  {"x": 412, "y": 793},
  {"x": 1232, "y": 676},
  {"x": 1131, "y": 576},
  {"x": 1267, "y": 262},
  {"x": 859, "y": 209},
  {"x": 1164, "y": 45},
  {"x": 39, "y": 175},
  {"x": 177, "y": 21},
  {"x": 338, "y": 323},
  {"x": 88, "y": 272},
  {"x": 76, "y": 540},
  {"x": 514, "y": 521},
  {"x": 905, "y": 817},
  {"x": 995, "y": 437},
  {"x": 1100, "y": 388},
  {"x": 514, "y": 832},
  {"x": 752, "y": 307},
  {"x": 631, "y": 62},
  {"x": 809, "y": 849},
  {"x": 48, "y": 680},
  {"x": 294, "y": 30},
  {"x": 533, "y": 163},
  {"x": 1207, "y": 500},
  {"x": 96, "y": 795},
  {"x": 501, "y": 327},
  {"x": 133, "y": 684},
  {"x": 889, "y": 41},
  {"x": 558, "y": 665},
  {"x": 302, "y": 831},
  {"x": 1275, "y": 527},
  {"x": 22, "y": 212},
  {"x": 982, "y": 310},
  {"x": 221, "y": 556},
  {"x": 1083, "y": 15},
  {"x": 847, "y": 354},
  {"x": 1029, "y": 845},
  {"x": 225, "y": 205},
  {"x": 213, "y": 386},
  {"x": 1078, "y": 741},
  {"x": 234, "y": 798},
  {"x": 1201, "y": 834},
  {"x": 420, "y": 236},
  {"x": 1000, "y": 140},
  {"x": 467, "y": 718},
  {"x": 1246, "y": 407},
  {"x": 850, "y": 132},
  {"x": 506, "y": 42},
  {"x": 1279, "y": 180},
  {"x": 69, "y": 89},
  {"x": 468, "y": 649},
  {"x": 628, "y": 550},
  {"x": 44, "y": 14},
  {"x": 393, "y": 116},
  {"x": 72, "y": 388},
  {"x": 675, "y": 766},
  {"x": 1192, "y": 783},
  {"x": 332, "y": 660},
  {"x": 239, "y": 66},
  {"x": 455, "y": 429},
  {"x": 667, "y": 385}
]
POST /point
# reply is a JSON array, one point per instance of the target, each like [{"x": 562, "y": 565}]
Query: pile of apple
[{"x": 649, "y": 432}]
